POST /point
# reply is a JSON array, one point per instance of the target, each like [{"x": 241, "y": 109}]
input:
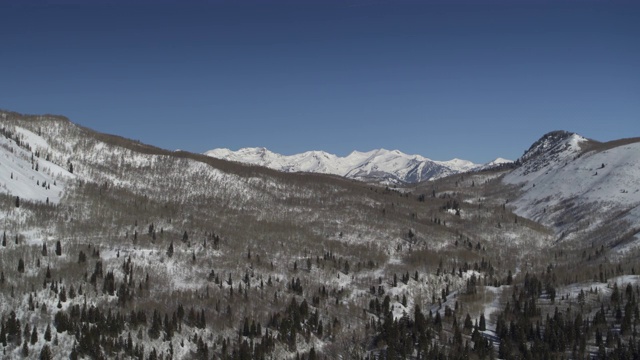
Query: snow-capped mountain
[
  {"x": 385, "y": 166},
  {"x": 573, "y": 184}
]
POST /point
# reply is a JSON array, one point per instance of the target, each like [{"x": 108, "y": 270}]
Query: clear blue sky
[{"x": 468, "y": 81}]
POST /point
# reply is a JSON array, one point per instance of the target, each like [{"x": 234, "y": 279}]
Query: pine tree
[
  {"x": 25, "y": 349},
  {"x": 27, "y": 332},
  {"x": 58, "y": 248},
  {"x": 156, "y": 324},
  {"x": 12, "y": 329},
  {"x": 74, "y": 353},
  {"x": 34, "y": 336},
  {"x": 62, "y": 296},
  {"x": 468, "y": 324},
  {"x": 3, "y": 334},
  {"x": 482, "y": 326},
  {"x": 202, "y": 320},
  {"x": 17, "y": 201},
  {"x": 20, "y": 266},
  {"x": 47, "y": 333},
  {"x": 44, "y": 249},
  {"x": 4, "y": 238},
  {"x": 170, "y": 250},
  {"x": 45, "y": 353}
]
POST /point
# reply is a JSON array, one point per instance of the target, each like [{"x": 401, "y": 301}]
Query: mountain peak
[
  {"x": 564, "y": 170},
  {"x": 553, "y": 143},
  {"x": 553, "y": 149}
]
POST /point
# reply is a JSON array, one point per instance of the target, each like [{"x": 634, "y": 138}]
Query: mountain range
[
  {"x": 314, "y": 260},
  {"x": 380, "y": 166}
]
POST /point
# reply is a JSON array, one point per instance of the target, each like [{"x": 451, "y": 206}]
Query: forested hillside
[{"x": 116, "y": 249}]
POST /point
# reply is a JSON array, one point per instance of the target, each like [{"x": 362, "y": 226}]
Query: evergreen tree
[
  {"x": 156, "y": 325},
  {"x": 45, "y": 353},
  {"x": 47, "y": 333},
  {"x": 3, "y": 334},
  {"x": 170, "y": 250},
  {"x": 27, "y": 332},
  {"x": 482, "y": 326},
  {"x": 25, "y": 349},
  {"x": 62, "y": 295},
  {"x": 468, "y": 324},
  {"x": 21, "y": 266},
  {"x": 74, "y": 353},
  {"x": 18, "y": 204},
  {"x": 12, "y": 329},
  {"x": 34, "y": 336},
  {"x": 202, "y": 320},
  {"x": 58, "y": 248}
]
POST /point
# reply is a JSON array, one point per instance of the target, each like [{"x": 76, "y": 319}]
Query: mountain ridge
[{"x": 378, "y": 165}]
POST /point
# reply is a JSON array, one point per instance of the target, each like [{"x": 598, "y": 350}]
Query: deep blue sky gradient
[{"x": 473, "y": 81}]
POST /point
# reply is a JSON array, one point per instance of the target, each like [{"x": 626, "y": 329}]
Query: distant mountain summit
[{"x": 381, "y": 165}]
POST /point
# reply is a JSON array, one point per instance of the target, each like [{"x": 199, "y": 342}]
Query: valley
[{"x": 125, "y": 250}]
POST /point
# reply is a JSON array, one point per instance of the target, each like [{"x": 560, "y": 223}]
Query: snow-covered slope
[
  {"x": 387, "y": 166},
  {"x": 25, "y": 170},
  {"x": 574, "y": 184}
]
